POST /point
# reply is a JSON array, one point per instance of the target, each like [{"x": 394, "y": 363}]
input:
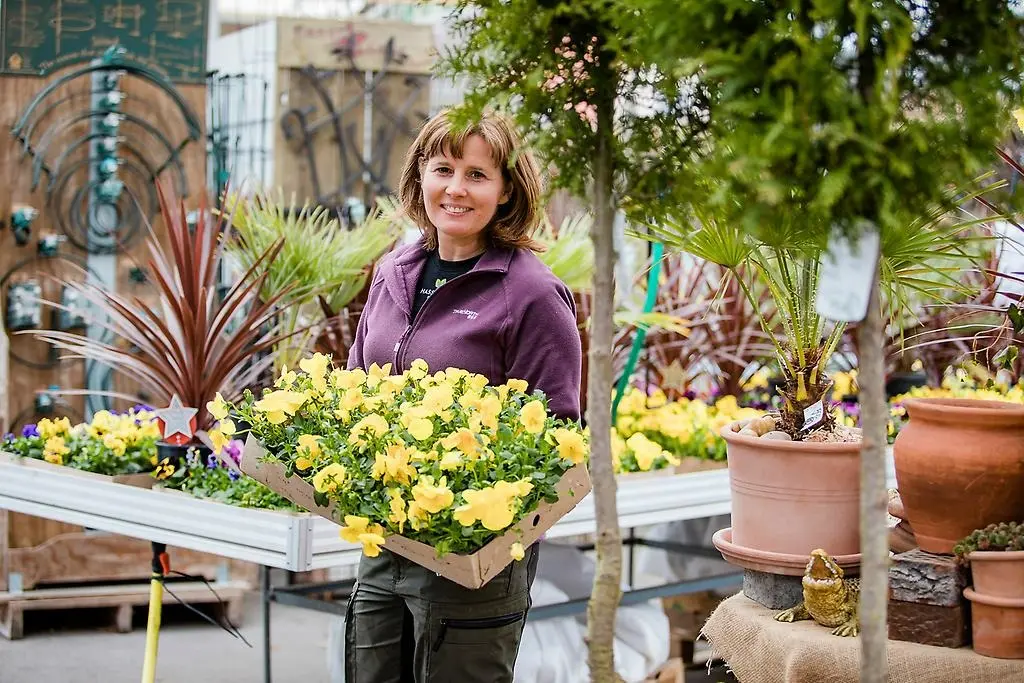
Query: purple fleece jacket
[{"x": 508, "y": 318}]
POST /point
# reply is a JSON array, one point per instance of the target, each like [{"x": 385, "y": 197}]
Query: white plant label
[
  {"x": 813, "y": 415},
  {"x": 847, "y": 275}
]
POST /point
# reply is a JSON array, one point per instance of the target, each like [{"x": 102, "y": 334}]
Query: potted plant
[
  {"x": 996, "y": 557},
  {"x": 794, "y": 474},
  {"x": 184, "y": 340}
]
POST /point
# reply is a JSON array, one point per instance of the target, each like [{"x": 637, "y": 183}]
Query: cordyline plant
[
  {"x": 919, "y": 259},
  {"x": 190, "y": 341}
]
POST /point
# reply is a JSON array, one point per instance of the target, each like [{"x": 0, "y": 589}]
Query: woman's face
[{"x": 461, "y": 197}]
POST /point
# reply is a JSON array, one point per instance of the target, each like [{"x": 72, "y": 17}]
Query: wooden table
[{"x": 762, "y": 650}]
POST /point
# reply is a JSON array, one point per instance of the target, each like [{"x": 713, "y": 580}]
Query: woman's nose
[{"x": 456, "y": 186}]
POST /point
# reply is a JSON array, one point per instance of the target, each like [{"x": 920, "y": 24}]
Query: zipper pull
[{"x": 440, "y": 635}]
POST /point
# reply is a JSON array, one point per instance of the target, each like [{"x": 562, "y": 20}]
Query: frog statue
[{"x": 829, "y": 599}]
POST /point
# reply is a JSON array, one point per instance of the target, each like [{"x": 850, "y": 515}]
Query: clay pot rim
[
  {"x": 963, "y": 407},
  {"x": 992, "y": 600},
  {"x": 996, "y": 556},
  {"x": 782, "y": 563},
  {"x": 845, "y": 447}
]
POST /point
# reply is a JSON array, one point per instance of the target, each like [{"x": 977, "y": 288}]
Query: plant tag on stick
[
  {"x": 848, "y": 270},
  {"x": 814, "y": 415}
]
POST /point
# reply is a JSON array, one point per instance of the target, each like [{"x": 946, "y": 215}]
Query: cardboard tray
[{"x": 471, "y": 571}]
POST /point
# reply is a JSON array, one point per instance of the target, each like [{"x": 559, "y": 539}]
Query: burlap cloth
[{"x": 762, "y": 650}]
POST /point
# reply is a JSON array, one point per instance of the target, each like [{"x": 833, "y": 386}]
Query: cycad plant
[
  {"x": 321, "y": 267},
  {"x": 920, "y": 258}
]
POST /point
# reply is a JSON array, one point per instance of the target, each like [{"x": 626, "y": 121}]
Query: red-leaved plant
[{"x": 189, "y": 341}]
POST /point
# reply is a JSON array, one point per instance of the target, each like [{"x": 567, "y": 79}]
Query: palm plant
[
  {"x": 321, "y": 268},
  {"x": 189, "y": 342},
  {"x": 920, "y": 258}
]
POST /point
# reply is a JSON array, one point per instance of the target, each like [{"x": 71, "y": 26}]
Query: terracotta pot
[
  {"x": 791, "y": 497},
  {"x": 959, "y": 467},
  {"x": 997, "y": 625},
  {"x": 998, "y": 573}
]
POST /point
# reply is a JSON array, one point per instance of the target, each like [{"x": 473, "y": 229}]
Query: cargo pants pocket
[{"x": 475, "y": 643}]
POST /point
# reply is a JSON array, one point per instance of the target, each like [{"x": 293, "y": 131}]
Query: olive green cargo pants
[{"x": 406, "y": 624}]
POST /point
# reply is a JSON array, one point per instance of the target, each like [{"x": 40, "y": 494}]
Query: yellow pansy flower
[
  {"x": 432, "y": 497},
  {"x": 279, "y": 405},
  {"x": 533, "y": 417},
  {"x": 359, "y": 530},
  {"x": 329, "y": 478},
  {"x": 398, "y": 515},
  {"x": 463, "y": 440},
  {"x": 476, "y": 382},
  {"x": 348, "y": 379},
  {"x": 376, "y": 374},
  {"x": 392, "y": 466},
  {"x": 517, "y": 551},
  {"x": 490, "y": 408},
  {"x": 419, "y": 369},
  {"x": 418, "y": 517},
  {"x": 164, "y": 469},
  {"x": 373, "y": 424},
  {"x": 438, "y": 398},
  {"x": 421, "y": 428},
  {"x": 519, "y": 385},
  {"x": 571, "y": 445},
  {"x": 227, "y": 427},
  {"x": 55, "y": 449},
  {"x": 491, "y": 505},
  {"x": 308, "y": 448},
  {"x": 218, "y": 440},
  {"x": 451, "y": 460},
  {"x": 645, "y": 451},
  {"x": 287, "y": 378},
  {"x": 218, "y": 407},
  {"x": 316, "y": 368}
]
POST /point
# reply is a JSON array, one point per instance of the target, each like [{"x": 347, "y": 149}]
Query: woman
[{"x": 470, "y": 294}]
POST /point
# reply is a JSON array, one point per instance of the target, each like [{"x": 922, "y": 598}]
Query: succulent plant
[{"x": 1002, "y": 536}]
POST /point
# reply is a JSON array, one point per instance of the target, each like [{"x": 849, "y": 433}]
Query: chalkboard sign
[{"x": 37, "y": 36}]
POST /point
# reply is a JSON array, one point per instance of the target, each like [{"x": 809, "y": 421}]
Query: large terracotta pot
[
  {"x": 959, "y": 467},
  {"x": 791, "y": 497},
  {"x": 997, "y": 603}
]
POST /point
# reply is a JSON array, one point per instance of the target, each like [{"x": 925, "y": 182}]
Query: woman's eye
[
  {"x": 477, "y": 175},
  {"x": 443, "y": 170}
]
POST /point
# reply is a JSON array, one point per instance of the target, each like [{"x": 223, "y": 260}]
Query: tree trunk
[
  {"x": 607, "y": 592},
  {"x": 874, "y": 539}
]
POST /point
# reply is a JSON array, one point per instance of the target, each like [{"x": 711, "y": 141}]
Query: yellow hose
[{"x": 156, "y": 602}]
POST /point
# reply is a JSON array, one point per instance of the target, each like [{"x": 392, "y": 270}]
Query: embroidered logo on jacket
[{"x": 470, "y": 315}]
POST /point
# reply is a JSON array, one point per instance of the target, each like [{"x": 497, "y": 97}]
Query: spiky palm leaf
[
  {"x": 570, "y": 253},
  {"x": 920, "y": 258},
  {"x": 183, "y": 344}
]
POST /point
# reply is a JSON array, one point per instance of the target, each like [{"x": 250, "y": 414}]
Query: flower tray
[{"x": 471, "y": 571}]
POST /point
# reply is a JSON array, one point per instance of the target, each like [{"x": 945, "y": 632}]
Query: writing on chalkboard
[{"x": 38, "y": 36}]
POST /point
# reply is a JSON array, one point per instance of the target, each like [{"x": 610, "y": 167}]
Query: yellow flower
[
  {"x": 516, "y": 551},
  {"x": 286, "y": 379},
  {"x": 376, "y": 374},
  {"x": 463, "y": 440},
  {"x": 645, "y": 451},
  {"x": 417, "y": 515},
  {"x": 316, "y": 367},
  {"x": 164, "y": 469},
  {"x": 218, "y": 407},
  {"x": 58, "y": 427},
  {"x": 421, "y": 428},
  {"x": 308, "y": 449},
  {"x": 329, "y": 478},
  {"x": 218, "y": 440},
  {"x": 347, "y": 379},
  {"x": 359, "y": 530},
  {"x": 533, "y": 417},
  {"x": 571, "y": 445},
  {"x": 432, "y": 497},
  {"x": 226, "y": 427},
  {"x": 116, "y": 445},
  {"x": 278, "y": 405},
  {"x": 419, "y": 369},
  {"x": 398, "y": 515},
  {"x": 519, "y": 385},
  {"x": 54, "y": 450},
  {"x": 491, "y": 505},
  {"x": 438, "y": 398},
  {"x": 490, "y": 408},
  {"x": 393, "y": 465},
  {"x": 476, "y": 382},
  {"x": 372, "y": 423},
  {"x": 451, "y": 460}
]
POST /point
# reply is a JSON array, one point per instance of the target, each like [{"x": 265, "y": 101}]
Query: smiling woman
[{"x": 471, "y": 294}]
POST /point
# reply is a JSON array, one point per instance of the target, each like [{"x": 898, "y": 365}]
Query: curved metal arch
[
  {"x": 64, "y": 124},
  {"x": 54, "y": 172},
  {"x": 191, "y": 120},
  {"x": 75, "y": 234},
  {"x": 26, "y": 136}
]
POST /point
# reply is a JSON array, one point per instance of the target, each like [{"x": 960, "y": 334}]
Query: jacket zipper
[
  {"x": 489, "y": 622},
  {"x": 397, "y": 366}
]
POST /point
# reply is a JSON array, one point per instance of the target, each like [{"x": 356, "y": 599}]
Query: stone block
[
  {"x": 926, "y": 579},
  {"x": 773, "y": 591},
  {"x": 930, "y": 624}
]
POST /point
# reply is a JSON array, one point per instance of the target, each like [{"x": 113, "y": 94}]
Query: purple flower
[
  {"x": 8, "y": 437},
  {"x": 192, "y": 457},
  {"x": 142, "y": 407},
  {"x": 233, "y": 450},
  {"x": 29, "y": 430},
  {"x": 212, "y": 462},
  {"x": 233, "y": 475},
  {"x": 690, "y": 394}
]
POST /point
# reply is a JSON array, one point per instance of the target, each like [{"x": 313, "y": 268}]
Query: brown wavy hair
[{"x": 515, "y": 220}]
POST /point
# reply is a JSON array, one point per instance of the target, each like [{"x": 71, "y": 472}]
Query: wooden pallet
[{"x": 120, "y": 599}]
